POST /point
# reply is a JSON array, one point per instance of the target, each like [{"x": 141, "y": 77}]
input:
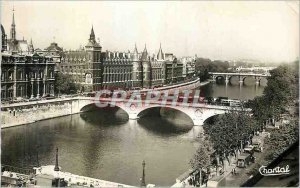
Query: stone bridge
[
  {"x": 198, "y": 112},
  {"x": 241, "y": 77}
]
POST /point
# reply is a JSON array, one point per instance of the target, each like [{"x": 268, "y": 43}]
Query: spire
[
  {"x": 145, "y": 49},
  {"x": 13, "y": 27},
  {"x": 143, "y": 182},
  {"x": 145, "y": 53},
  {"x": 92, "y": 35},
  {"x": 56, "y": 168},
  {"x": 30, "y": 47},
  {"x": 160, "y": 55},
  {"x": 135, "y": 49},
  {"x": 13, "y": 21}
]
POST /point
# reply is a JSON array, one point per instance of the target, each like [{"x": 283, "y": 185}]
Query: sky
[{"x": 224, "y": 30}]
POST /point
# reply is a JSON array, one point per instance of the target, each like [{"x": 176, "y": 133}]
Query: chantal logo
[{"x": 274, "y": 171}]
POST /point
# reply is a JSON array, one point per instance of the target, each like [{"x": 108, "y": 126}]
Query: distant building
[
  {"x": 173, "y": 69},
  {"x": 188, "y": 67},
  {"x": 14, "y": 45},
  {"x": 53, "y": 50},
  {"x": 24, "y": 73}
]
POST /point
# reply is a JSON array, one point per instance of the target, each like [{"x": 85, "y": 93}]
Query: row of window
[
  {"x": 11, "y": 59},
  {"x": 20, "y": 75}
]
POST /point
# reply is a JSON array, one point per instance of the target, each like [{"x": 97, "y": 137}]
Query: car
[
  {"x": 50, "y": 97},
  {"x": 249, "y": 149},
  {"x": 33, "y": 99}
]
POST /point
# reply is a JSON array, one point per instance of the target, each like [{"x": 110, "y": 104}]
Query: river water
[{"x": 104, "y": 144}]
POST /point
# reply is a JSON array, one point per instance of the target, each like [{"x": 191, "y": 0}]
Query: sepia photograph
[{"x": 149, "y": 93}]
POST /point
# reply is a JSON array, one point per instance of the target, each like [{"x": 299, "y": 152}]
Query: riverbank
[
  {"x": 35, "y": 113},
  {"x": 205, "y": 83}
]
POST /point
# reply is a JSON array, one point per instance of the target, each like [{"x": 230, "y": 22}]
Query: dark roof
[
  {"x": 144, "y": 54},
  {"x": 54, "y": 47},
  {"x": 92, "y": 43}
]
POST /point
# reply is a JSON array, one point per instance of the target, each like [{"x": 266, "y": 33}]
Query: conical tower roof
[
  {"x": 135, "y": 49},
  {"x": 160, "y": 55},
  {"x": 145, "y": 53},
  {"x": 92, "y": 35}
]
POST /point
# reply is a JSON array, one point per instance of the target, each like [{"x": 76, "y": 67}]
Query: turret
[
  {"x": 144, "y": 54},
  {"x": 146, "y": 68},
  {"x": 136, "y": 69},
  {"x": 135, "y": 54}
]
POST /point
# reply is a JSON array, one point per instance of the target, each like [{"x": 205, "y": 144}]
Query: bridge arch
[
  {"x": 170, "y": 107},
  {"x": 249, "y": 80},
  {"x": 88, "y": 105},
  {"x": 197, "y": 114},
  {"x": 220, "y": 77}
]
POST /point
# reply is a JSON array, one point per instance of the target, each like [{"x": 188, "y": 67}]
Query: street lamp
[{"x": 143, "y": 182}]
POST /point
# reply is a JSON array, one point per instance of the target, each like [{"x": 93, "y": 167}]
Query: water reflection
[
  {"x": 105, "y": 116},
  {"x": 165, "y": 127},
  {"x": 89, "y": 144},
  {"x": 240, "y": 91}
]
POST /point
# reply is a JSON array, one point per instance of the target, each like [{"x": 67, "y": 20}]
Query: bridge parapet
[{"x": 198, "y": 112}]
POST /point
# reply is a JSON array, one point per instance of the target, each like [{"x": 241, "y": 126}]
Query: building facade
[
  {"x": 24, "y": 74},
  {"x": 188, "y": 67},
  {"x": 127, "y": 70},
  {"x": 117, "y": 70},
  {"x": 173, "y": 69},
  {"x": 158, "y": 69},
  {"x": 84, "y": 65}
]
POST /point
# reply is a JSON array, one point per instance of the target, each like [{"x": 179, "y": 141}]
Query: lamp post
[{"x": 143, "y": 182}]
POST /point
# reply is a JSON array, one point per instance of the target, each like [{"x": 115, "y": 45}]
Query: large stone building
[
  {"x": 24, "y": 73},
  {"x": 84, "y": 65},
  {"x": 127, "y": 70}
]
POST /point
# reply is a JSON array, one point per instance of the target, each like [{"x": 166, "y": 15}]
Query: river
[{"x": 104, "y": 144}]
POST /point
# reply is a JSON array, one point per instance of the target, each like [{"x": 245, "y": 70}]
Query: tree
[
  {"x": 229, "y": 133},
  {"x": 201, "y": 158},
  {"x": 282, "y": 89},
  {"x": 203, "y": 66},
  {"x": 65, "y": 84}
]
